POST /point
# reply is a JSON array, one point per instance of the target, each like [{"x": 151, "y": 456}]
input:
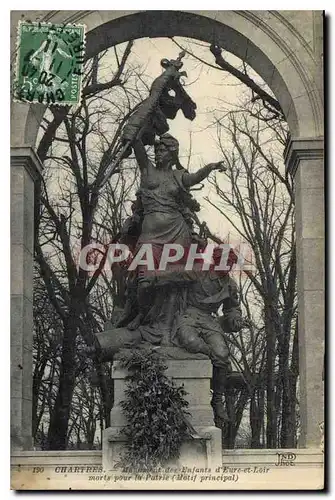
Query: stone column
[
  {"x": 304, "y": 161},
  {"x": 25, "y": 169}
]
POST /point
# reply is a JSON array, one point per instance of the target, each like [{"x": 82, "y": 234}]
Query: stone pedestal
[
  {"x": 195, "y": 375},
  {"x": 25, "y": 168}
]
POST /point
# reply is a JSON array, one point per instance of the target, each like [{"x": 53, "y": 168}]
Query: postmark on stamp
[{"x": 49, "y": 64}]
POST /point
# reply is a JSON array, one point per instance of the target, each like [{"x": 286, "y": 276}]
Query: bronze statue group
[{"x": 177, "y": 307}]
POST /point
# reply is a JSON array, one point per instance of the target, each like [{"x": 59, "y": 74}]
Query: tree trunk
[
  {"x": 256, "y": 417},
  {"x": 228, "y": 437},
  {"x": 288, "y": 430},
  {"x": 37, "y": 382},
  {"x": 57, "y": 433},
  {"x": 271, "y": 424},
  {"x": 235, "y": 414}
]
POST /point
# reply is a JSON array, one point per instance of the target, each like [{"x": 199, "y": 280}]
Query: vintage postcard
[{"x": 167, "y": 250}]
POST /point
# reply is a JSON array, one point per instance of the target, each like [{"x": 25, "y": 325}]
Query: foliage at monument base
[{"x": 155, "y": 412}]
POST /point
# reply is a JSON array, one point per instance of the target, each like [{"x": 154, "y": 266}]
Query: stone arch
[{"x": 264, "y": 39}]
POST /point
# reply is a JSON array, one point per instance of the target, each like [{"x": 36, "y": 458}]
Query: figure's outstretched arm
[
  {"x": 192, "y": 179},
  {"x": 232, "y": 320},
  {"x": 141, "y": 155},
  {"x": 63, "y": 53},
  {"x": 169, "y": 277},
  {"x": 38, "y": 51}
]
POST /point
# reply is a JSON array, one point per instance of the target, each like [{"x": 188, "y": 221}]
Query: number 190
[{"x": 37, "y": 470}]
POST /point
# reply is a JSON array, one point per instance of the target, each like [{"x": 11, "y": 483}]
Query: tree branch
[{"x": 217, "y": 53}]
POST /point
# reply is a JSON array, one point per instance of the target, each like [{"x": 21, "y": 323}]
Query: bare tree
[
  {"x": 73, "y": 206},
  {"x": 270, "y": 109},
  {"x": 259, "y": 205}
]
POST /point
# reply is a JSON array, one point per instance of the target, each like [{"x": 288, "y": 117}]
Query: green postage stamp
[{"x": 49, "y": 64}]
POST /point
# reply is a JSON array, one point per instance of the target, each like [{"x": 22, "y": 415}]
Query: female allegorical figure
[
  {"x": 163, "y": 191},
  {"x": 164, "y": 194}
]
